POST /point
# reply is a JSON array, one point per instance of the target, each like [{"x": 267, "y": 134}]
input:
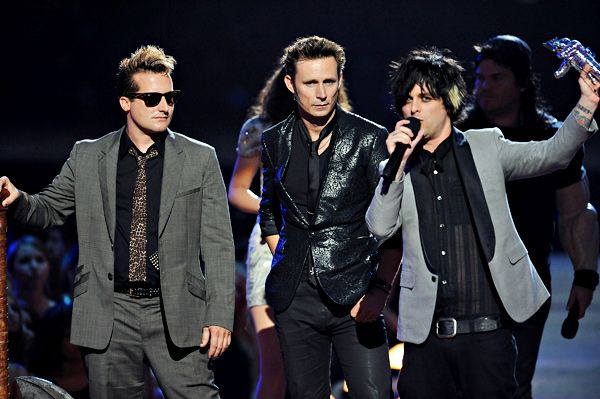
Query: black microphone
[
  {"x": 391, "y": 169},
  {"x": 571, "y": 323}
]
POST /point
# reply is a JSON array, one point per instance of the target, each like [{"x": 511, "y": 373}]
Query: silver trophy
[{"x": 575, "y": 55}]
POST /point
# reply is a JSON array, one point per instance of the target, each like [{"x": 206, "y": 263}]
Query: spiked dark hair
[{"x": 434, "y": 70}]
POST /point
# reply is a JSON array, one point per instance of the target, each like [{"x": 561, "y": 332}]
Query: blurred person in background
[
  {"x": 507, "y": 95},
  {"x": 29, "y": 267}
]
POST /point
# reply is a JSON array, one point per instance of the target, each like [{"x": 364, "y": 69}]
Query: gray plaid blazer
[{"x": 196, "y": 251}]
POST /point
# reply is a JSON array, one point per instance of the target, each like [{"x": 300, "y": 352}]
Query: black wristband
[
  {"x": 381, "y": 284},
  {"x": 586, "y": 278}
]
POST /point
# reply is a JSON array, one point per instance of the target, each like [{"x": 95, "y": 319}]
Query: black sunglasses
[{"x": 153, "y": 99}]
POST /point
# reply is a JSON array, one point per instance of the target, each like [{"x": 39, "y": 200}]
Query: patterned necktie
[{"x": 137, "y": 238}]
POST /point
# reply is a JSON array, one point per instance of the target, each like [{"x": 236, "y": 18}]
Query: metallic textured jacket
[{"x": 344, "y": 252}]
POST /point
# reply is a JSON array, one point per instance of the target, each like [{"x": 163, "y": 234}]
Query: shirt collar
[
  {"x": 126, "y": 143},
  {"x": 324, "y": 132},
  {"x": 427, "y": 161}
]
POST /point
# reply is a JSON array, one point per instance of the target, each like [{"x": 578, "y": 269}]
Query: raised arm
[{"x": 530, "y": 159}]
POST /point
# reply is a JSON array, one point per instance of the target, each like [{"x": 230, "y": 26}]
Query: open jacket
[
  {"x": 196, "y": 253},
  {"x": 343, "y": 250}
]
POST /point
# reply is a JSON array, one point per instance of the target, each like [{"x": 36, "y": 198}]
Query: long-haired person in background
[{"x": 273, "y": 104}]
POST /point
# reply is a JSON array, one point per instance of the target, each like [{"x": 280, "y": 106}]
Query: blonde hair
[{"x": 147, "y": 58}]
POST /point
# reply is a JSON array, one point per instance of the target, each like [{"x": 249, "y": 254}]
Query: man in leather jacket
[{"x": 320, "y": 171}]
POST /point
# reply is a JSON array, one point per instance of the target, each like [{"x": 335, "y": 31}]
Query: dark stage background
[{"x": 60, "y": 59}]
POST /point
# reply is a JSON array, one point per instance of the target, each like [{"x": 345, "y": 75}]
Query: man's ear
[
  {"x": 125, "y": 103},
  {"x": 289, "y": 83}
]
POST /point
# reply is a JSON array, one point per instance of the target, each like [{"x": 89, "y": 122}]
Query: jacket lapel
[
  {"x": 285, "y": 151},
  {"x": 172, "y": 172},
  {"x": 107, "y": 173},
  {"x": 474, "y": 194},
  {"x": 336, "y": 165}
]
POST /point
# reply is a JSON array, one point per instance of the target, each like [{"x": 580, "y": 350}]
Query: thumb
[
  {"x": 205, "y": 337},
  {"x": 356, "y": 308}
]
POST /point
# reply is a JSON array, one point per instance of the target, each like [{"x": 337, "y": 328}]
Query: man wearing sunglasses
[{"x": 155, "y": 281}]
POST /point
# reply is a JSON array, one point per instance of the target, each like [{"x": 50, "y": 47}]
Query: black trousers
[
  {"x": 308, "y": 329},
  {"x": 468, "y": 366},
  {"x": 528, "y": 336}
]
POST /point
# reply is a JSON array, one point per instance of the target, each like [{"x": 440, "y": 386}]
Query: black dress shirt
[
  {"x": 127, "y": 170},
  {"x": 296, "y": 179},
  {"x": 451, "y": 246}
]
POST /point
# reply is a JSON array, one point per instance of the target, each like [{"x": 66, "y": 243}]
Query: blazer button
[
  {"x": 110, "y": 276},
  {"x": 433, "y": 278}
]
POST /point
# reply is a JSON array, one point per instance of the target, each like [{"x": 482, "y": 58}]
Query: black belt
[
  {"x": 140, "y": 292},
  {"x": 448, "y": 327}
]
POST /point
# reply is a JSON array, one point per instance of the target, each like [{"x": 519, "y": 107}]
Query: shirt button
[
  {"x": 443, "y": 253},
  {"x": 442, "y": 225},
  {"x": 439, "y": 197},
  {"x": 444, "y": 282},
  {"x": 435, "y": 172}
]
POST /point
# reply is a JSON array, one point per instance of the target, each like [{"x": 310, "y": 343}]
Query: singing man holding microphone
[{"x": 465, "y": 270}]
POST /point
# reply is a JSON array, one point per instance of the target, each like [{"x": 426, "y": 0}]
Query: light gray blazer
[
  {"x": 194, "y": 230},
  {"x": 496, "y": 160}
]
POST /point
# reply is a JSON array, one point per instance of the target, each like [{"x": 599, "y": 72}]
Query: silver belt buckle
[{"x": 445, "y": 319}]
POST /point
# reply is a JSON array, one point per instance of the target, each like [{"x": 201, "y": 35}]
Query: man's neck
[
  {"x": 504, "y": 118},
  {"x": 140, "y": 139},
  {"x": 433, "y": 142},
  {"x": 314, "y": 126}
]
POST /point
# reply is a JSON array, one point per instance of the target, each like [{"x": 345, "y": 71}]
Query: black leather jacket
[{"x": 344, "y": 252}]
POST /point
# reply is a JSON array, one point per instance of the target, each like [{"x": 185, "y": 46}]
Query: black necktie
[{"x": 314, "y": 168}]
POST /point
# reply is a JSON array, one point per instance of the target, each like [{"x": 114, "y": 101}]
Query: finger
[
  {"x": 10, "y": 199},
  {"x": 214, "y": 343},
  {"x": 205, "y": 337},
  {"x": 404, "y": 130},
  {"x": 217, "y": 342},
  {"x": 228, "y": 340},
  {"x": 401, "y": 123},
  {"x": 400, "y": 137},
  {"x": 420, "y": 135},
  {"x": 354, "y": 311},
  {"x": 589, "y": 81}
]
